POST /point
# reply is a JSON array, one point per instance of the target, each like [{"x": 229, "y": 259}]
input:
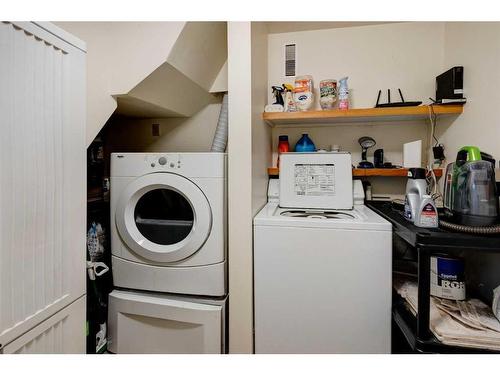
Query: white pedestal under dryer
[{"x": 156, "y": 323}]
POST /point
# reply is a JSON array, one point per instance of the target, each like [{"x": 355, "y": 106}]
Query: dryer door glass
[{"x": 163, "y": 216}]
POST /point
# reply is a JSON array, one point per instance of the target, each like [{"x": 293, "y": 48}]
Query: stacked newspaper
[{"x": 469, "y": 323}]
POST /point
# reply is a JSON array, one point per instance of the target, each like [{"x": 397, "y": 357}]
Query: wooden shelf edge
[
  {"x": 273, "y": 171},
  {"x": 337, "y": 115},
  {"x": 369, "y": 172}
]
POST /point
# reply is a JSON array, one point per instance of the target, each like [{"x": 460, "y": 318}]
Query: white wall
[
  {"x": 389, "y": 56},
  {"x": 261, "y": 132},
  {"x": 249, "y": 154},
  {"x": 119, "y": 56},
  {"x": 240, "y": 212},
  {"x": 193, "y": 134},
  {"x": 376, "y": 57},
  {"x": 476, "y": 46},
  {"x": 200, "y": 51}
]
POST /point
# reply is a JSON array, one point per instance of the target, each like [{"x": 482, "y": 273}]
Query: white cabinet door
[
  {"x": 42, "y": 175},
  {"x": 160, "y": 324},
  {"x": 62, "y": 333}
]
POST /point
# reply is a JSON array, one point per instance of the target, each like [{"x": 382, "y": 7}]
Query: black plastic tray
[{"x": 414, "y": 235}]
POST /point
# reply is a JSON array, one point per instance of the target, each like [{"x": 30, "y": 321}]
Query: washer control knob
[{"x": 162, "y": 160}]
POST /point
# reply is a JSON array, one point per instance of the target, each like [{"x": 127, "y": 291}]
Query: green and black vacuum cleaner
[{"x": 470, "y": 194}]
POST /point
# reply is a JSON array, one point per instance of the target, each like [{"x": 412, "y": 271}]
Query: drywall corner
[{"x": 220, "y": 83}]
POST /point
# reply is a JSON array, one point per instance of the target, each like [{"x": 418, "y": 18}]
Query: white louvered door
[
  {"x": 62, "y": 333},
  {"x": 42, "y": 176}
]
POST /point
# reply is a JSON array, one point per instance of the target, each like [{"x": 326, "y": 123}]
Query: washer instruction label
[{"x": 314, "y": 179}]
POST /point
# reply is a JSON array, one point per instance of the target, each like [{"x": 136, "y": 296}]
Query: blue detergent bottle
[{"x": 305, "y": 144}]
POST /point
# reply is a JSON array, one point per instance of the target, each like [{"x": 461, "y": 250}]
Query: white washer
[
  {"x": 322, "y": 281},
  {"x": 168, "y": 222}
]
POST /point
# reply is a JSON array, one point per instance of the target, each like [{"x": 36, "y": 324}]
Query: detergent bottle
[
  {"x": 305, "y": 144},
  {"x": 416, "y": 187}
]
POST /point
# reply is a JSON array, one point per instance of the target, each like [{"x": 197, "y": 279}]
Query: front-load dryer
[{"x": 168, "y": 222}]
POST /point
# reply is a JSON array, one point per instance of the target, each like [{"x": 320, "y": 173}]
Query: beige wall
[
  {"x": 476, "y": 46},
  {"x": 240, "y": 188},
  {"x": 144, "y": 46},
  {"x": 388, "y": 56},
  {"x": 249, "y": 155},
  {"x": 261, "y": 132},
  {"x": 193, "y": 134},
  {"x": 397, "y": 55},
  {"x": 155, "y": 68},
  {"x": 200, "y": 52}
]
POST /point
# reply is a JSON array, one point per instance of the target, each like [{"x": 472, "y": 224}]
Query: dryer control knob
[{"x": 162, "y": 160}]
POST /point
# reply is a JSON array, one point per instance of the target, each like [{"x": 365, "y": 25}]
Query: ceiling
[{"x": 288, "y": 27}]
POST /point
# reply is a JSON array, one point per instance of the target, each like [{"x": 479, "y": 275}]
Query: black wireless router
[{"x": 402, "y": 103}]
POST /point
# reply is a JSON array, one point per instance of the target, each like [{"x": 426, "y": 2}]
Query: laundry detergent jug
[{"x": 305, "y": 144}]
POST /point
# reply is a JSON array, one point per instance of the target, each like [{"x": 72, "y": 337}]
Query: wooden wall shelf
[
  {"x": 337, "y": 116},
  {"x": 369, "y": 172}
]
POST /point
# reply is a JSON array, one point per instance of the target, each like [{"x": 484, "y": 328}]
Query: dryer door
[{"x": 163, "y": 217}]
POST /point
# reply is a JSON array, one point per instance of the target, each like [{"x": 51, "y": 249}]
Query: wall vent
[{"x": 290, "y": 60}]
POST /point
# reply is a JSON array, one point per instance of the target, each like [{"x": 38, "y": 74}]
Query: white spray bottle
[{"x": 343, "y": 94}]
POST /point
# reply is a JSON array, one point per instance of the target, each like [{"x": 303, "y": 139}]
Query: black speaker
[
  {"x": 378, "y": 158},
  {"x": 450, "y": 86}
]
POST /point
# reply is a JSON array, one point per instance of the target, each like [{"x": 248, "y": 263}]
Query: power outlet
[{"x": 155, "y": 130}]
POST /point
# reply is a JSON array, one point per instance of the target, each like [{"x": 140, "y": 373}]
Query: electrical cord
[
  {"x": 432, "y": 185},
  {"x": 433, "y": 119}
]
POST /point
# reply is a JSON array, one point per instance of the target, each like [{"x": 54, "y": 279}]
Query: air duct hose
[
  {"x": 495, "y": 229},
  {"x": 220, "y": 138}
]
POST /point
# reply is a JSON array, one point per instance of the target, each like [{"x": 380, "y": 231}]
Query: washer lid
[
  {"x": 316, "y": 214},
  {"x": 361, "y": 217},
  {"x": 163, "y": 217}
]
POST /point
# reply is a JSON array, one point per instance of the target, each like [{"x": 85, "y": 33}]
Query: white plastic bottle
[
  {"x": 303, "y": 92},
  {"x": 343, "y": 94},
  {"x": 427, "y": 215}
]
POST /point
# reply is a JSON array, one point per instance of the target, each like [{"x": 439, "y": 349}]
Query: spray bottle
[
  {"x": 343, "y": 94},
  {"x": 278, "y": 94},
  {"x": 289, "y": 102},
  {"x": 277, "y": 106}
]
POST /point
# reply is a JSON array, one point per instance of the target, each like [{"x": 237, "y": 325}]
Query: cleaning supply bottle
[
  {"x": 416, "y": 188},
  {"x": 343, "y": 94},
  {"x": 426, "y": 216},
  {"x": 283, "y": 146},
  {"x": 305, "y": 144},
  {"x": 289, "y": 101},
  {"x": 303, "y": 92}
]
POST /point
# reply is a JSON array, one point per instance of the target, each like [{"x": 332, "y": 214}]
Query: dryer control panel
[
  {"x": 164, "y": 161},
  {"x": 188, "y": 164}
]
